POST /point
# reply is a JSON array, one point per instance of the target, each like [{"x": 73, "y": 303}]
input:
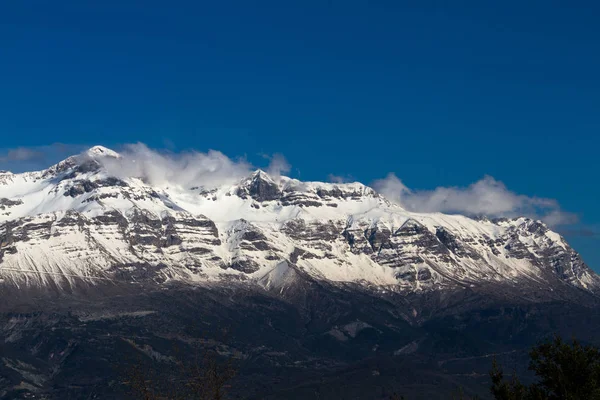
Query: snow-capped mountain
[
  {"x": 76, "y": 223},
  {"x": 315, "y": 282}
]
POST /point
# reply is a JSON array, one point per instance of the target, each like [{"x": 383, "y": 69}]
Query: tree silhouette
[{"x": 564, "y": 371}]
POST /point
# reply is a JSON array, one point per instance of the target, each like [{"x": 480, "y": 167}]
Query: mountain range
[{"x": 326, "y": 289}]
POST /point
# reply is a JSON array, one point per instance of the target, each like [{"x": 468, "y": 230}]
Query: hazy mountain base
[{"x": 315, "y": 341}]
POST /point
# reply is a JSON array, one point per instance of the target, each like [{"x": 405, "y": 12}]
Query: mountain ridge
[
  {"x": 78, "y": 219},
  {"x": 323, "y": 288}
]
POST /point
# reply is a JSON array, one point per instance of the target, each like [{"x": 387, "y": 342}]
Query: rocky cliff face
[
  {"x": 324, "y": 288},
  {"x": 75, "y": 223}
]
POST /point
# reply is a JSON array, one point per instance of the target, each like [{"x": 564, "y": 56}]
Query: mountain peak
[
  {"x": 260, "y": 186},
  {"x": 259, "y": 174},
  {"x": 101, "y": 151}
]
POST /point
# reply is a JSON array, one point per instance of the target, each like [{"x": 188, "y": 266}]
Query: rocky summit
[{"x": 322, "y": 286}]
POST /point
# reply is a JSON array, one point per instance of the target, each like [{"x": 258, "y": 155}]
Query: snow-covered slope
[{"x": 75, "y": 222}]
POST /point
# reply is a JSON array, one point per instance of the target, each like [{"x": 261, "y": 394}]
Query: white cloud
[
  {"x": 22, "y": 154},
  {"x": 186, "y": 169},
  {"x": 338, "y": 179},
  {"x": 35, "y": 157},
  {"x": 278, "y": 165},
  {"x": 487, "y": 197},
  {"x": 559, "y": 217},
  {"x": 392, "y": 188}
]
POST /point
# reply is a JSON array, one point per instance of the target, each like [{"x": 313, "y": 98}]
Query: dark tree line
[{"x": 563, "y": 371}]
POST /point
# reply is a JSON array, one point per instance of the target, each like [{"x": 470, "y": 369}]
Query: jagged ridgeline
[
  {"x": 325, "y": 290},
  {"x": 75, "y": 223}
]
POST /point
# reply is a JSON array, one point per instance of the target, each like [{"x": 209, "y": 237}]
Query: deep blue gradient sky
[{"x": 441, "y": 95}]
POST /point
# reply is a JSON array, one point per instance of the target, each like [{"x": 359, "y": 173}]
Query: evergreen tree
[{"x": 564, "y": 372}]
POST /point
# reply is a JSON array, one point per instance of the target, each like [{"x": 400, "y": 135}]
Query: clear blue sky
[{"x": 441, "y": 95}]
